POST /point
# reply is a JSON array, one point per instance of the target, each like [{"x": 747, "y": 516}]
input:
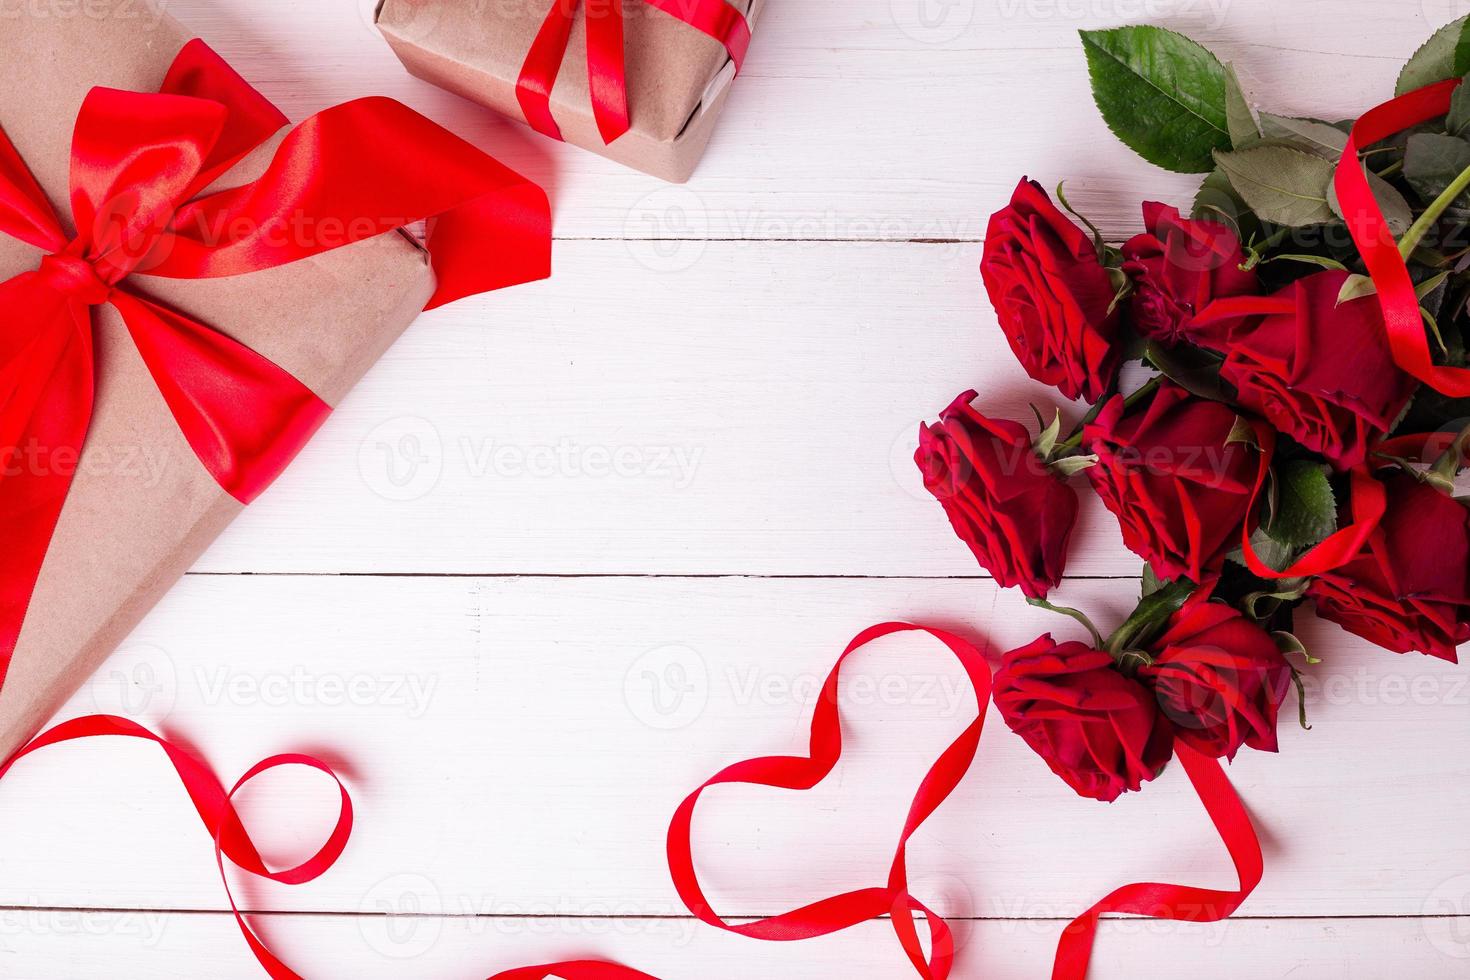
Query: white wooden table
[{"x": 572, "y": 547}]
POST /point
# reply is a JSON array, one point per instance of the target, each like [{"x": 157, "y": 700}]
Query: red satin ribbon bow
[
  {"x": 139, "y": 163},
  {"x": 606, "y": 74}
]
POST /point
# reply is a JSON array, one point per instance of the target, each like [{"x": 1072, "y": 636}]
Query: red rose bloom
[
  {"x": 1179, "y": 489},
  {"x": 1219, "y": 679},
  {"x": 1409, "y": 588},
  {"x": 1051, "y": 294},
  {"x": 1014, "y": 513},
  {"x": 1178, "y": 267},
  {"x": 1097, "y": 729},
  {"x": 1320, "y": 372}
]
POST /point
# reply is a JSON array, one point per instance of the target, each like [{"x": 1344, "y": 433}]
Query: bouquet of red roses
[{"x": 1278, "y": 399}]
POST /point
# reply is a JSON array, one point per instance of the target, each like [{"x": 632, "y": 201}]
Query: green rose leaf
[
  {"x": 1239, "y": 120},
  {"x": 1458, "y": 121},
  {"x": 1445, "y": 55},
  {"x": 1395, "y": 208},
  {"x": 1306, "y": 509},
  {"x": 1328, "y": 141},
  {"x": 1161, "y": 94},
  {"x": 1283, "y": 185},
  {"x": 1313, "y": 135},
  {"x": 1431, "y": 164}
]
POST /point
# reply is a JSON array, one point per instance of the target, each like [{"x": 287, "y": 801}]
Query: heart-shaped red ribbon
[{"x": 850, "y": 908}]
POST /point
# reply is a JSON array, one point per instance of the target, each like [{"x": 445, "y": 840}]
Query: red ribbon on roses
[
  {"x": 850, "y": 908},
  {"x": 1375, "y": 241},
  {"x": 138, "y": 164},
  {"x": 606, "y": 73},
  {"x": 1368, "y": 505}
]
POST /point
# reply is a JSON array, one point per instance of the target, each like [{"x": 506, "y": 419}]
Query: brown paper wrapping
[
  {"x": 142, "y": 508},
  {"x": 678, "y": 77}
]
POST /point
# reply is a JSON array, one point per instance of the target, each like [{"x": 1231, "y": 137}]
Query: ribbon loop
[
  {"x": 607, "y": 75},
  {"x": 217, "y": 811}
]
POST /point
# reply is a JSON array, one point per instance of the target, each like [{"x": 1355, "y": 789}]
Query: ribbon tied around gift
[
  {"x": 607, "y": 74},
  {"x": 140, "y": 166}
]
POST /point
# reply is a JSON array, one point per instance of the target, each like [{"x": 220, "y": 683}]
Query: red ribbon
[
  {"x": 138, "y": 164},
  {"x": 850, "y": 908},
  {"x": 1406, "y": 336},
  {"x": 820, "y": 918},
  {"x": 217, "y": 809},
  {"x": 606, "y": 73},
  {"x": 1369, "y": 504},
  {"x": 1178, "y": 902}
]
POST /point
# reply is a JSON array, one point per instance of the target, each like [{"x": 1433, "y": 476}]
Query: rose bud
[
  {"x": 1168, "y": 471},
  {"x": 1096, "y": 728},
  {"x": 1014, "y": 513},
  {"x": 1219, "y": 678},
  {"x": 1051, "y": 295},
  {"x": 1320, "y": 372},
  {"x": 1178, "y": 267},
  {"x": 1409, "y": 588}
]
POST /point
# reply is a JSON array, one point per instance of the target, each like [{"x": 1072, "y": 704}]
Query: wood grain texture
[
  {"x": 173, "y": 945},
  {"x": 862, "y": 119},
  {"x": 526, "y": 741}
]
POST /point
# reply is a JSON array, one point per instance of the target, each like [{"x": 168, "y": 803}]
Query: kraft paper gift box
[
  {"x": 142, "y": 508},
  {"x": 679, "y": 78}
]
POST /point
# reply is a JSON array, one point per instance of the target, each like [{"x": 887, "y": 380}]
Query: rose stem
[
  {"x": 1435, "y": 211},
  {"x": 1074, "y": 441}
]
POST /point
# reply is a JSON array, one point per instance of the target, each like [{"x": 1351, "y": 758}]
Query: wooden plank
[
  {"x": 523, "y": 742},
  {"x": 95, "y": 944},
  {"x": 859, "y": 119},
  {"x": 755, "y": 413}
]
